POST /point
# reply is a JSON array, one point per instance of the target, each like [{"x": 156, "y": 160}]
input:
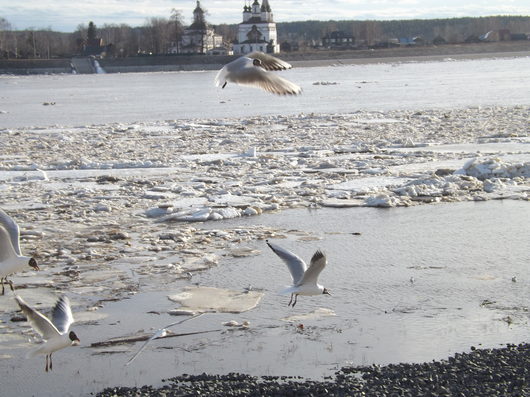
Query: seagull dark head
[
  {"x": 33, "y": 264},
  {"x": 326, "y": 291},
  {"x": 73, "y": 337},
  {"x": 257, "y": 62}
]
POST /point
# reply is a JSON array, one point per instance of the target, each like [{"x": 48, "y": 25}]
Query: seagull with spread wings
[
  {"x": 305, "y": 279},
  {"x": 56, "y": 333},
  {"x": 254, "y": 70}
]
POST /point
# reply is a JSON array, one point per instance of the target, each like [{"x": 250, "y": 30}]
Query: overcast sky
[{"x": 66, "y": 15}]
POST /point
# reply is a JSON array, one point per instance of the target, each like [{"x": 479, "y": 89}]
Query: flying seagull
[
  {"x": 11, "y": 259},
  {"x": 305, "y": 280},
  {"x": 55, "y": 332},
  {"x": 254, "y": 70},
  {"x": 160, "y": 333}
]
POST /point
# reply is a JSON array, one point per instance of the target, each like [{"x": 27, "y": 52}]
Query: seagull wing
[
  {"x": 183, "y": 321},
  {"x": 12, "y": 228},
  {"x": 267, "y": 81},
  {"x": 318, "y": 262},
  {"x": 7, "y": 251},
  {"x": 62, "y": 316},
  {"x": 38, "y": 321},
  {"x": 296, "y": 265},
  {"x": 268, "y": 62},
  {"x": 160, "y": 333}
]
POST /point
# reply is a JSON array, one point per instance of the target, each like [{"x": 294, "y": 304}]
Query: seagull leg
[
  {"x": 46, "y": 363},
  {"x": 295, "y": 299},
  {"x": 289, "y": 304},
  {"x": 50, "y": 361},
  {"x": 11, "y": 285},
  {"x": 3, "y": 289},
  {"x": 224, "y": 85}
]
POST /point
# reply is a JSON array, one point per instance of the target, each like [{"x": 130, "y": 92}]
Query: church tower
[
  {"x": 247, "y": 13},
  {"x": 199, "y": 37},
  {"x": 199, "y": 22},
  {"x": 266, "y": 13},
  {"x": 257, "y": 32}
]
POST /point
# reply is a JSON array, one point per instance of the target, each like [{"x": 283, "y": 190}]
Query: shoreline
[
  {"x": 404, "y": 59},
  {"x": 297, "y": 59},
  {"x": 494, "y": 372}
]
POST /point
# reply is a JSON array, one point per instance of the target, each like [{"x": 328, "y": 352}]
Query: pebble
[{"x": 481, "y": 372}]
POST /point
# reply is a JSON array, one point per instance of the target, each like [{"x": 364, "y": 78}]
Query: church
[
  {"x": 257, "y": 32},
  {"x": 199, "y": 37}
]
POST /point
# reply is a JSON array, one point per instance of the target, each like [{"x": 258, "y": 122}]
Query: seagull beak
[
  {"x": 326, "y": 292},
  {"x": 76, "y": 342}
]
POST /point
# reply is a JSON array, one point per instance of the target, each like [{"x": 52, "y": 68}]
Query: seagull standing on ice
[
  {"x": 252, "y": 70},
  {"x": 11, "y": 259},
  {"x": 56, "y": 332},
  {"x": 305, "y": 280}
]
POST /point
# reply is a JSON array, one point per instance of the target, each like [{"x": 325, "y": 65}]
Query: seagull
[
  {"x": 11, "y": 259},
  {"x": 55, "y": 332},
  {"x": 160, "y": 333},
  {"x": 252, "y": 70},
  {"x": 305, "y": 280}
]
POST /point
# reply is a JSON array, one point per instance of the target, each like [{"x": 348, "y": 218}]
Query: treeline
[
  {"x": 452, "y": 30},
  {"x": 158, "y": 35}
]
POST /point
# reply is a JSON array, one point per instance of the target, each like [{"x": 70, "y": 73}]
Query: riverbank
[
  {"x": 481, "y": 372},
  {"x": 298, "y": 59}
]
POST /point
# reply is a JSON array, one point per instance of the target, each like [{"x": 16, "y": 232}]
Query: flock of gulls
[
  {"x": 56, "y": 332},
  {"x": 254, "y": 69}
]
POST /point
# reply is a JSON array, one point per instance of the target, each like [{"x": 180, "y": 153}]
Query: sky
[{"x": 67, "y": 15}]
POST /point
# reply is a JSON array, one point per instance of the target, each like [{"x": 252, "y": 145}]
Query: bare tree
[
  {"x": 157, "y": 35},
  {"x": 122, "y": 37},
  {"x": 177, "y": 22},
  {"x": 5, "y": 27}
]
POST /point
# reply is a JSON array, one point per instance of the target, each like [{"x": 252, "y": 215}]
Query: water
[
  {"x": 141, "y": 97},
  {"x": 460, "y": 255}
]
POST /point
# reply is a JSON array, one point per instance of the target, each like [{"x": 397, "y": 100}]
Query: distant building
[
  {"x": 199, "y": 37},
  {"x": 338, "y": 40},
  {"x": 220, "y": 51},
  {"x": 257, "y": 32}
]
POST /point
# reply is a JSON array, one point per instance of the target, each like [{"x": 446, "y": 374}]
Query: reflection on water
[{"x": 462, "y": 258}]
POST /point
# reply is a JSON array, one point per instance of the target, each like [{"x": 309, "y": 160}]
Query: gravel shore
[{"x": 482, "y": 372}]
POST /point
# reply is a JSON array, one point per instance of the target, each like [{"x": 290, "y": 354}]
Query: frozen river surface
[
  {"x": 105, "y": 98},
  {"x": 412, "y": 283}
]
